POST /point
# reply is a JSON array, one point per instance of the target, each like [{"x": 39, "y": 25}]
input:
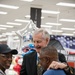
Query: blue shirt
[{"x": 54, "y": 72}]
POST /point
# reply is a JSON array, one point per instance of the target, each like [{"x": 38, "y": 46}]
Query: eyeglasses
[{"x": 6, "y": 56}]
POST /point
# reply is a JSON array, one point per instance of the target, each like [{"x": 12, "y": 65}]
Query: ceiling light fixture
[
  {"x": 28, "y": 0},
  {"x": 50, "y": 12},
  {"x": 6, "y": 26},
  {"x": 67, "y": 28},
  {"x": 14, "y": 23},
  {"x": 2, "y": 28},
  {"x": 20, "y": 20},
  {"x": 9, "y": 6},
  {"x": 4, "y": 13},
  {"x": 8, "y": 33},
  {"x": 28, "y": 16},
  {"x": 46, "y": 26},
  {"x": 42, "y": 17},
  {"x": 67, "y": 20},
  {"x": 56, "y": 24},
  {"x": 66, "y": 4},
  {"x": 67, "y": 34},
  {"x": 57, "y": 31},
  {"x": 3, "y": 39},
  {"x": 16, "y": 37},
  {"x": 74, "y": 32}
]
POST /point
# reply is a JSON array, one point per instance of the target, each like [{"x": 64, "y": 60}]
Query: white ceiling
[{"x": 24, "y": 9}]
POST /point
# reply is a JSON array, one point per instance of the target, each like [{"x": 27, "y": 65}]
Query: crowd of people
[
  {"x": 48, "y": 57},
  {"x": 41, "y": 39}
]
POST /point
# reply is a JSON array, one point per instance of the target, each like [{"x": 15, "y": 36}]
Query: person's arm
[
  {"x": 62, "y": 58},
  {"x": 69, "y": 70},
  {"x": 56, "y": 65},
  {"x": 62, "y": 65}
]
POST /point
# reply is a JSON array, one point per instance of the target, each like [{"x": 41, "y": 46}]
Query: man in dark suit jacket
[
  {"x": 29, "y": 65},
  {"x": 40, "y": 39}
]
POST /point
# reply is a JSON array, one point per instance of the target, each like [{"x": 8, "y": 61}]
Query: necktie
[{"x": 39, "y": 68}]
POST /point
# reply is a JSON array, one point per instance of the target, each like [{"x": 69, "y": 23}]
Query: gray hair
[{"x": 45, "y": 34}]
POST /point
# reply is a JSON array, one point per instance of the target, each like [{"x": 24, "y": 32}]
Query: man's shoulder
[
  {"x": 60, "y": 54},
  {"x": 30, "y": 53}
]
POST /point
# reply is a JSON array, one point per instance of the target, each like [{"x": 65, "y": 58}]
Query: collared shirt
[
  {"x": 39, "y": 67},
  {"x": 1, "y": 72},
  {"x": 37, "y": 58}
]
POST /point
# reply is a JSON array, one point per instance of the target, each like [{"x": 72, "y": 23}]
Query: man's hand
[{"x": 56, "y": 65}]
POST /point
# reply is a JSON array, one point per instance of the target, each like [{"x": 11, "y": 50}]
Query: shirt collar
[{"x": 2, "y": 72}]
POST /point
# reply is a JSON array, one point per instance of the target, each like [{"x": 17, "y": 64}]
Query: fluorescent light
[
  {"x": 4, "y": 39},
  {"x": 13, "y": 33},
  {"x": 74, "y": 32},
  {"x": 28, "y": 0},
  {"x": 67, "y": 28},
  {"x": 9, "y": 6},
  {"x": 28, "y": 16},
  {"x": 57, "y": 31},
  {"x": 56, "y": 24},
  {"x": 2, "y": 28},
  {"x": 66, "y": 4},
  {"x": 46, "y": 26},
  {"x": 42, "y": 17},
  {"x": 14, "y": 23},
  {"x": 50, "y": 12},
  {"x": 16, "y": 40},
  {"x": 8, "y": 33},
  {"x": 20, "y": 20},
  {"x": 67, "y": 20},
  {"x": 0, "y": 36},
  {"x": 16, "y": 37},
  {"x": 6, "y": 26},
  {"x": 67, "y": 34},
  {"x": 4, "y": 13},
  {"x": 3, "y": 35}
]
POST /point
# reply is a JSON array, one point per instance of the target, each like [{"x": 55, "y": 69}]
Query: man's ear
[
  {"x": 47, "y": 60},
  {"x": 47, "y": 40}
]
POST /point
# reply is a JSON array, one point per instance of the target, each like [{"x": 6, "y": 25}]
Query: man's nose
[
  {"x": 35, "y": 44},
  {"x": 10, "y": 58}
]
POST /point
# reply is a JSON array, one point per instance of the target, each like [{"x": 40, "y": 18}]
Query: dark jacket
[{"x": 29, "y": 65}]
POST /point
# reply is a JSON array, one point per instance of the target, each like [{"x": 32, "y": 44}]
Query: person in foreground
[
  {"x": 6, "y": 57},
  {"x": 41, "y": 39},
  {"x": 46, "y": 56}
]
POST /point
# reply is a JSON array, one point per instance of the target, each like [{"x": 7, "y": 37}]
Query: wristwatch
[
  {"x": 66, "y": 68},
  {"x": 69, "y": 69}
]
